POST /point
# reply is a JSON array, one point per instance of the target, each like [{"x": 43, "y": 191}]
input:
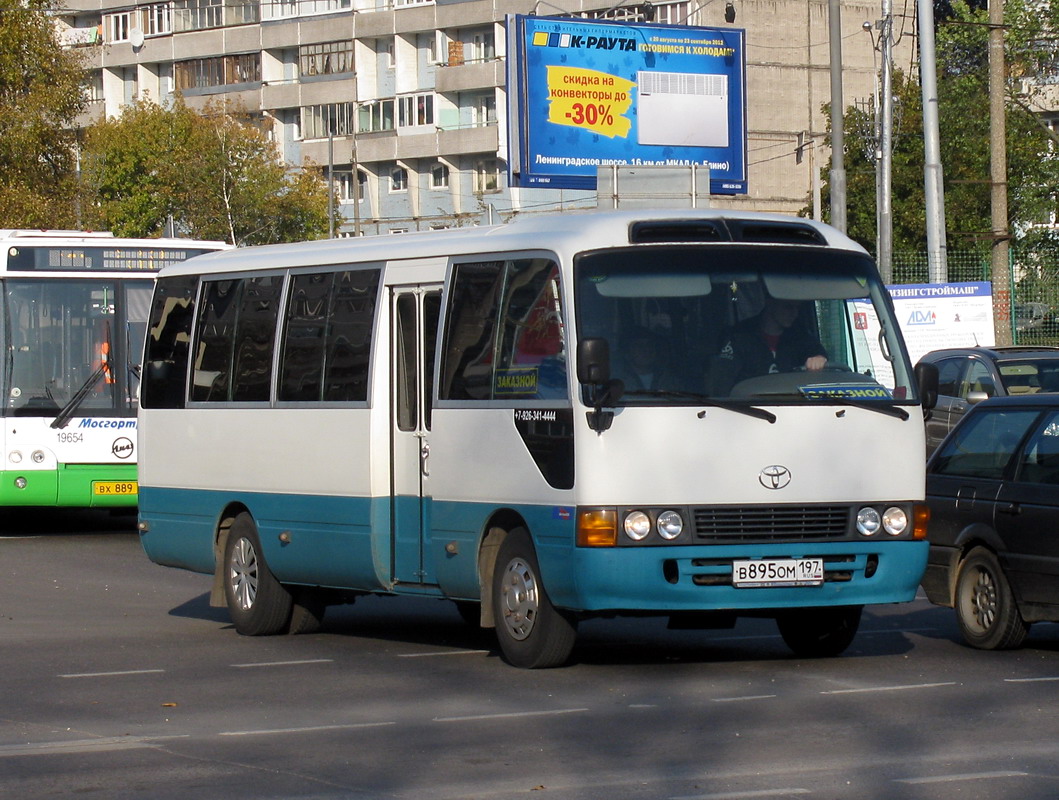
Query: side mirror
[
  {"x": 593, "y": 361},
  {"x": 927, "y": 380}
]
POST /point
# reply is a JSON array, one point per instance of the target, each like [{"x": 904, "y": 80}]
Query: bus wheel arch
[{"x": 496, "y": 531}]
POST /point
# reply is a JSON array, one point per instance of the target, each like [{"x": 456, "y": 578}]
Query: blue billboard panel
[{"x": 588, "y": 94}]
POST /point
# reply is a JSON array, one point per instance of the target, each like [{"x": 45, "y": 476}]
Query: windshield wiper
[
  {"x": 706, "y": 400},
  {"x": 839, "y": 400},
  {"x": 62, "y": 419}
]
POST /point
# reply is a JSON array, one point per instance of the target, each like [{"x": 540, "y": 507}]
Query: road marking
[
  {"x": 111, "y": 674},
  {"x": 444, "y": 653},
  {"x": 1030, "y": 680},
  {"x": 969, "y": 776},
  {"x": 741, "y": 699},
  {"x": 512, "y": 715},
  {"x": 891, "y": 688},
  {"x": 283, "y": 663},
  {"x": 82, "y": 745},
  {"x": 308, "y": 729},
  {"x": 789, "y": 792}
]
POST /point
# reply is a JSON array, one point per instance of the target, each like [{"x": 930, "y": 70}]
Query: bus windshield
[
  {"x": 73, "y": 341},
  {"x": 788, "y": 325}
]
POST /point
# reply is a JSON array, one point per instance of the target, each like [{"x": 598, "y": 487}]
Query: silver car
[{"x": 967, "y": 376}]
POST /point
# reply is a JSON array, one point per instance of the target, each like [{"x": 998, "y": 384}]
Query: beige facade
[{"x": 414, "y": 93}]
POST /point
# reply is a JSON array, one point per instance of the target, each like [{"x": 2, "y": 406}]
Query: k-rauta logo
[
  {"x": 774, "y": 477},
  {"x": 122, "y": 447}
]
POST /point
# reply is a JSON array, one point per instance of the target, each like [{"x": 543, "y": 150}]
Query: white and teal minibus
[
  {"x": 73, "y": 314},
  {"x": 455, "y": 414}
]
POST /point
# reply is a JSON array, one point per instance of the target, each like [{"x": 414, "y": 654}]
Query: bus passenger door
[{"x": 415, "y": 312}]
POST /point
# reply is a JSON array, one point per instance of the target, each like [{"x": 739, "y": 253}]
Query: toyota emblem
[{"x": 774, "y": 477}]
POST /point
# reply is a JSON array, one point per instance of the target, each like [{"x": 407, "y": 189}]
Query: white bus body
[{"x": 434, "y": 414}]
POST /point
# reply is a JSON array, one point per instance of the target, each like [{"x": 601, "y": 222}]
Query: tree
[
  {"x": 41, "y": 96},
  {"x": 215, "y": 175},
  {"x": 1033, "y": 172}
]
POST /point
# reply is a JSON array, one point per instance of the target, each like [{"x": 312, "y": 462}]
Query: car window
[
  {"x": 1019, "y": 377},
  {"x": 1040, "y": 459},
  {"x": 949, "y": 376},
  {"x": 979, "y": 379},
  {"x": 983, "y": 445}
]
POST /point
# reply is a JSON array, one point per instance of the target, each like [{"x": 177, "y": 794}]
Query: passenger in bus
[
  {"x": 641, "y": 364},
  {"x": 776, "y": 340}
]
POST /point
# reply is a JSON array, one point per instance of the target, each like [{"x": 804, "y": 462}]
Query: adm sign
[{"x": 586, "y": 94}]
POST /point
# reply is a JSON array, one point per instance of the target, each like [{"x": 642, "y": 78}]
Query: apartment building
[{"x": 405, "y": 101}]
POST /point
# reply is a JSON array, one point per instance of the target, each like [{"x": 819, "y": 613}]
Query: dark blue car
[{"x": 993, "y": 491}]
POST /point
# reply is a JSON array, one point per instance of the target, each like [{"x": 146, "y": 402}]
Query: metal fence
[{"x": 1034, "y": 279}]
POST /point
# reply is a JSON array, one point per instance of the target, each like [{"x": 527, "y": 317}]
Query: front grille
[{"x": 716, "y": 524}]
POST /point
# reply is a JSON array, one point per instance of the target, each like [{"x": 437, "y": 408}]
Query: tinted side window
[
  {"x": 949, "y": 376},
  {"x": 255, "y": 335},
  {"x": 983, "y": 445},
  {"x": 233, "y": 356},
  {"x": 1040, "y": 460},
  {"x": 504, "y": 337},
  {"x": 470, "y": 336},
  {"x": 168, "y": 341},
  {"x": 327, "y": 337},
  {"x": 980, "y": 379}
]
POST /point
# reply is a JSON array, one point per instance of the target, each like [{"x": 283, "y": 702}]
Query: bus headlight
[
  {"x": 868, "y": 521},
  {"x": 637, "y": 525},
  {"x": 895, "y": 521},
  {"x": 38, "y": 456},
  {"x": 15, "y": 457},
  {"x": 669, "y": 525}
]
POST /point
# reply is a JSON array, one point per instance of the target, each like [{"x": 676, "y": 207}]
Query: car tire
[
  {"x": 258, "y": 604},
  {"x": 819, "y": 632},
  {"x": 986, "y": 610},
  {"x": 532, "y": 633}
]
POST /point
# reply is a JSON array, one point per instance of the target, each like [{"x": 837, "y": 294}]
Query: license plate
[
  {"x": 114, "y": 488},
  {"x": 778, "y": 572}
]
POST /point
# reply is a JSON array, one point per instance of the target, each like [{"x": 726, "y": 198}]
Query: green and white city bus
[{"x": 73, "y": 311}]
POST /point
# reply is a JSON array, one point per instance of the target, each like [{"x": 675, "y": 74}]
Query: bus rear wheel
[
  {"x": 532, "y": 633},
  {"x": 819, "y": 632},
  {"x": 257, "y": 602}
]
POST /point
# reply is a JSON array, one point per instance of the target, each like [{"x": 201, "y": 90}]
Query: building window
[
  {"x": 439, "y": 176},
  {"x": 483, "y": 109},
  {"x": 331, "y": 119},
  {"x": 415, "y": 109},
  {"x": 117, "y": 26},
  {"x": 201, "y": 73},
  {"x": 486, "y": 176},
  {"x": 376, "y": 115},
  {"x": 482, "y": 46},
  {"x": 331, "y": 58},
  {"x": 156, "y": 19},
  {"x": 398, "y": 179}
]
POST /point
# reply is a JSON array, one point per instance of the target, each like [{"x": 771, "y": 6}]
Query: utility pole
[
  {"x": 933, "y": 187},
  {"x": 998, "y": 168},
  {"x": 886, "y": 222},
  {"x": 838, "y": 168}
]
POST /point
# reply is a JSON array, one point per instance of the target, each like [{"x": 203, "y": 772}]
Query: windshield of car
[{"x": 743, "y": 324}]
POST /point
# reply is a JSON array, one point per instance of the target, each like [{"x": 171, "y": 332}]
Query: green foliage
[
  {"x": 41, "y": 96},
  {"x": 215, "y": 174},
  {"x": 963, "y": 110}
]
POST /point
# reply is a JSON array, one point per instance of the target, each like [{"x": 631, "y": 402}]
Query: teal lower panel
[
  {"x": 697, "y": 577},
  {"x": 330, "y": 540},
  {"x": 345, "y": 542}
]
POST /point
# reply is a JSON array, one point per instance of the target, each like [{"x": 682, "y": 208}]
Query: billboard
[{"x": 586, "y": 94}]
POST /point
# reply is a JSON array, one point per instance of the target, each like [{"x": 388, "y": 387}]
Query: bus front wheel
[
  {"x": 257, "y": 602},
  {"x": 819, "y": 632},
  {"x": 532, "y": 633}
]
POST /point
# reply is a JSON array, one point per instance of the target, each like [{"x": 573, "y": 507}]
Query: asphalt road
[{"x": 117, "y": 680}]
